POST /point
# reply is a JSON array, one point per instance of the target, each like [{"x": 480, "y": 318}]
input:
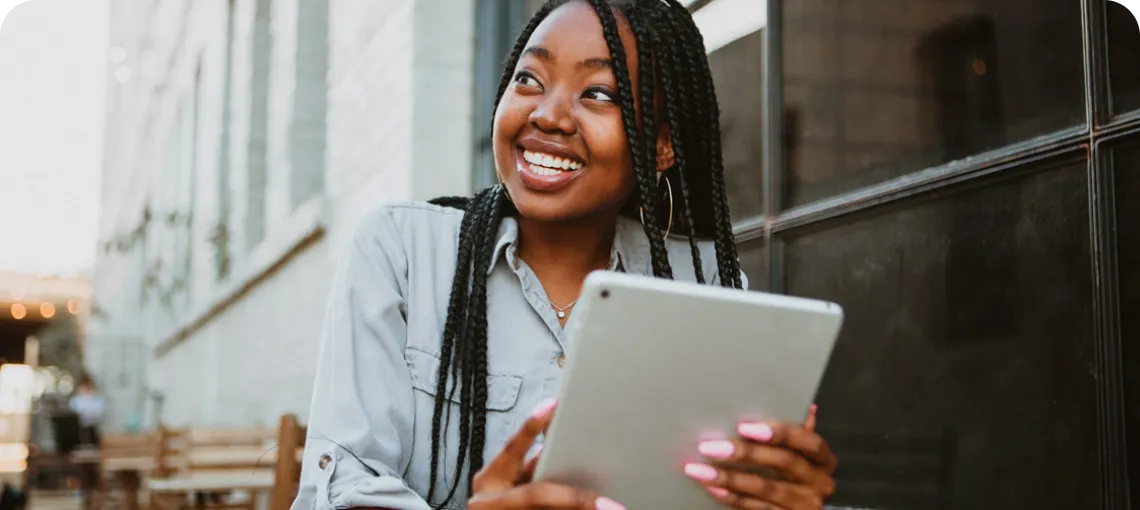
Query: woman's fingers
[
  {"x": 792, "y": 465},
  {"x": 751, "y": 491},
  {"x": 543, "y": 495},
  {"x": 527, "y": 473},
  {"x": 740, "y": 501},
  {"x": 503, "y": 470},
  {"x": 805, "y": 442},
  {"x": 809, "y": 423}
]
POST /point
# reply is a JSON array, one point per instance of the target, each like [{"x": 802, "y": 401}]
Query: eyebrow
[{"x": 542, "y": 53}]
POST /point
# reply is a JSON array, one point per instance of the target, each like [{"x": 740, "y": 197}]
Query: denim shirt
[{"x": 369, "y": 440}]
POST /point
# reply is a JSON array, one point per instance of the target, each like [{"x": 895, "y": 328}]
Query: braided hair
[{"x": 670, "y": 42}]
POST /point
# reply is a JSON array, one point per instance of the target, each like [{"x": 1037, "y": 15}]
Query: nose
[{"x": 554, "y": 114}]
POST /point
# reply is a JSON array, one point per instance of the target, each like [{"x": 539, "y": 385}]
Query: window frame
[{"x": 1092, "y": 140}]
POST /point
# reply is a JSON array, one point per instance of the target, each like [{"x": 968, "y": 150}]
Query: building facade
[
  {"x": 955, "y": 173},
  {"x": 245, "y": 140}
]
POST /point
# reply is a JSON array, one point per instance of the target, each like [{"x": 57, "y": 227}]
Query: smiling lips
[
  {"x": 545, "y": 164},
  {"x": 546, "y": 172}
]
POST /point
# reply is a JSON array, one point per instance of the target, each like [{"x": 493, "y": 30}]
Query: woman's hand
[
  {"x": 505, "y": 483},
  {"x": 801, "y": 459}
]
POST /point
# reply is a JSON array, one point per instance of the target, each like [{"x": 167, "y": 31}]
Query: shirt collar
[{"x": 630, "y": 251}]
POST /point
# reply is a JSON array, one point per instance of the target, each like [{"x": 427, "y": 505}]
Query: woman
[{"x": 479, "y": 292}]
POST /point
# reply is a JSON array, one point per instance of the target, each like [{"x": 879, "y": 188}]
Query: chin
[{"x": 541, "y": 207}]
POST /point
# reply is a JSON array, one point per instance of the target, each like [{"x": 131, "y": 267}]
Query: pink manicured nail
[
  {"x": 702, "y": 472},
  {"x": 716, "y": 449},
  {"x": 719, "y": 492},
  {"x": 608, "y": 504},
  {"x": 814, "y": 408},
  {"x": 755, "y": 431},
  {"x": 544, "y": 407}
]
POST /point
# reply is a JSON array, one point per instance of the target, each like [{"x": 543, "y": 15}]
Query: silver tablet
[{"x": 655, "y": 365}]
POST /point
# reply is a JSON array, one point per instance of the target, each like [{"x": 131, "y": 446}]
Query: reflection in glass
[
  {"x": 963, "y": 377},
  {"x": 1123, "y": 57},
  {"x": 875, "y": 89},
  {"x": 1126, "y": 167},
  {"x": 737, "y": 70}
]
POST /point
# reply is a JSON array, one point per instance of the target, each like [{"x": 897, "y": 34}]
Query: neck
[{"x": 566, "y": 252}]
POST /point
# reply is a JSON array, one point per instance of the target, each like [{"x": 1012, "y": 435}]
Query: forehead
[{"x": 574, "y": 32}]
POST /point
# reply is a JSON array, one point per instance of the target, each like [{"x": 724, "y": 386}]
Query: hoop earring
[{"x": 668, "y": 186}]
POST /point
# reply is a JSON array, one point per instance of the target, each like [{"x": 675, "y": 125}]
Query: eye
[
  {"x": 600, "y": 94},
  {"x": 527, "y": 79}
]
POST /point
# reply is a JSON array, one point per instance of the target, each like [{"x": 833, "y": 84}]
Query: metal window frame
[
  {"x": 1092, "y": 142},
  {"x": 497, "y": 23}
]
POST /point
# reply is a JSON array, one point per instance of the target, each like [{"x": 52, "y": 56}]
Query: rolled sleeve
[{"x": 361, "y": 418}]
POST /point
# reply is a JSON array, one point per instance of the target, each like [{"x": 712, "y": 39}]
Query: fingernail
[
  {"x": 608, "y": 504},
  {"x": 716, "y": 449},
  {"x": 702, "y": 472},
  {"x": 544, "y": 407},
  {"x": 719, "y": 492},
  {"x": 814, "y": 408},
  {"x": 755, "y": 431}
]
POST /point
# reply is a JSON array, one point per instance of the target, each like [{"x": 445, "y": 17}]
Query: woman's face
[{"x": 560, "y": 145}]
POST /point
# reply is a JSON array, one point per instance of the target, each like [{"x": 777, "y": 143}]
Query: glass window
[
  {"x": 1126, "y": 161},
  {"x": 754, "y": 263},
  {"x": 874, "y": 89},
  {"x": 963, "y": 376},
  {"x": 734, "y": 36},
  {"x": 1123, "y": 57},
  {"x": 738, "y": 73}
]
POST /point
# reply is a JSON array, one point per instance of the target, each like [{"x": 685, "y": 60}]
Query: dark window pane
[
  {"x": 874, "y": 89},
  {"x": 1123, "y": 58},
  {"x": 737, "y": 70},
  {"x": 1126, "y": 165},
  {"x": 964, "y": 376},
  {"x": 754, "y": 263}
]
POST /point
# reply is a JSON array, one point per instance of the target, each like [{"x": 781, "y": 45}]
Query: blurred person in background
[
  {"x": 87, "y": 404},
  {"x": 447, "y": 321}
]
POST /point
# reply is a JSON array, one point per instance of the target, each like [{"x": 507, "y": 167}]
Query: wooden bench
[
  {"x": 206, "y": 468},
  {"x": 123, "y": 459}
]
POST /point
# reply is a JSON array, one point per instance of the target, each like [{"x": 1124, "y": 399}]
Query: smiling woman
[{"x": 607, "y": 152}]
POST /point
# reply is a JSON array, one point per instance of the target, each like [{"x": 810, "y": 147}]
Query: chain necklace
[{"x": 561, "y": 310}]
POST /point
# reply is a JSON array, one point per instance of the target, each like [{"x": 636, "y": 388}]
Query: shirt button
[
  {"x": 561, "y": 360},
  {"x": 324, "y": 462}
]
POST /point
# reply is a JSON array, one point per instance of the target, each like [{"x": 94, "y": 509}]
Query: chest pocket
[{"x": 502, "y": 394}]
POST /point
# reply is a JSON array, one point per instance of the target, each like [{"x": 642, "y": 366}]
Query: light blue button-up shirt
[{"x": 369, "y": 441}]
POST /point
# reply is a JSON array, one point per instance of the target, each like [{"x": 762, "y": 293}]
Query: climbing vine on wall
[
  {"x": 152, "y": 284},
  {"x": 220, "y": 240},
  {"x": 127, "y": 241}
]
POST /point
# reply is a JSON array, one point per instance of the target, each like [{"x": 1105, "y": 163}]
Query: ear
[{"x": 665, "y": 156}]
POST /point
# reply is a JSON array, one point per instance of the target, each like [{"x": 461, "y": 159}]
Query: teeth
[
  {"x": 541, "y": 170},
  {"x": 550, "y": 162}
]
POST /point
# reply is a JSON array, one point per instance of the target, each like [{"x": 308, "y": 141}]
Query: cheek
[
  {"x": 608, "y": 146},
  {"x": 605, "y": 136},
  {"x": 510, "y": 117}
]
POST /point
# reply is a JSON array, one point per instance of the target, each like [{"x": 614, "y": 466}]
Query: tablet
[{"x": 655, "y": 365}]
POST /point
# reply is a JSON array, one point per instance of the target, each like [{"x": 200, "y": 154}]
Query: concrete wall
[{"x": 278, "y": 123}]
